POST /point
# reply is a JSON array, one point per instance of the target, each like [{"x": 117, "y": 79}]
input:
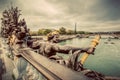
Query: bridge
[{"x": 30, "y": 65}]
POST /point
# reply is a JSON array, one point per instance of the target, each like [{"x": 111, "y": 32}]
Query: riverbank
[{"x": 60, "y": 39}]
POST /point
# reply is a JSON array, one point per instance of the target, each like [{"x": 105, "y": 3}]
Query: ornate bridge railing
[{"x": 30, "y": 65}]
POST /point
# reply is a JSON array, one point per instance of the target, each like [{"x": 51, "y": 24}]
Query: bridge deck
[{"x": 50, "y": 69}]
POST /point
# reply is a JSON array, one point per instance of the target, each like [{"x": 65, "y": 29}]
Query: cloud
[{"x": 95, "y": 15}]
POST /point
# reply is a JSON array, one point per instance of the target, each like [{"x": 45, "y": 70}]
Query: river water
[{"x": 107, "y": 55}]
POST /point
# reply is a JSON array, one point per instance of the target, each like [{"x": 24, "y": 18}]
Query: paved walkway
[{"x": 8, "y": 65}]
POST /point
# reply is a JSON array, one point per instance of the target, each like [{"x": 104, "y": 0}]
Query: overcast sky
[{"x": 90, "y": 15}]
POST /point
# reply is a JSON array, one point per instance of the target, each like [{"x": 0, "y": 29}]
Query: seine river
[{"x": 107, "y": 55}]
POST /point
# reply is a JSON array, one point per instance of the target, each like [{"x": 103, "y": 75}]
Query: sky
[{"x": 89, "y": 15}]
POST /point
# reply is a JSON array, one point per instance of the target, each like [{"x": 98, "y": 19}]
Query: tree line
[{"x": 62, "y": 31}]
